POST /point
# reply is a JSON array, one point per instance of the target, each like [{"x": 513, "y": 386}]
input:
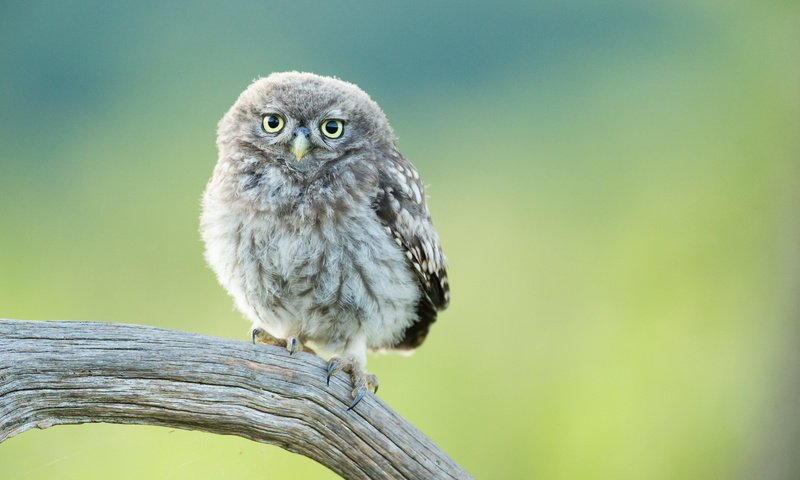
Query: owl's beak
[{"x": 300, "y": 143}]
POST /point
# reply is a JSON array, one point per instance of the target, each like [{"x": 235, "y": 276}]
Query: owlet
[{"x": 317, "y": 226}]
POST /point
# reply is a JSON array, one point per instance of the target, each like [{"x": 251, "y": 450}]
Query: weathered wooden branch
[{"x": 54, "y": 373}]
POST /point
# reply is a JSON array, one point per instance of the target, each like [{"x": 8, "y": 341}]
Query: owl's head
[{"x": 303, "y": 120}]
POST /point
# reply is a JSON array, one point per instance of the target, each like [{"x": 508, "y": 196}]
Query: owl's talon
[
  {"x": 358, "y": 395},
  {"x": 372, "y": 382},
  {"x": 292, "y": 345},
  {"x": 333, "y": 366}
]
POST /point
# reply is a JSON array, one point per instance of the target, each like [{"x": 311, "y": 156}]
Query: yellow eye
[
  {"x": 332, "y": 128},
  {"x": 272, "y": 123}
]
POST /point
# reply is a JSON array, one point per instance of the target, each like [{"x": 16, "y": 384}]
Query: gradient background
[{"x": 616, "y": 185}]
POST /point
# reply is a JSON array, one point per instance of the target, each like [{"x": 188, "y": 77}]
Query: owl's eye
[
  {"x": 332, "y": 128},
  {"x": 272, "y": 123}
]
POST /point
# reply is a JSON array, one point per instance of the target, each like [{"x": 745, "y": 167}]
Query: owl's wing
[{"x": 400, "y": 205}]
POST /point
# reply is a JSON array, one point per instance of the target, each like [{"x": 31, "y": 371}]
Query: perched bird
[{"x": 318, "y": 227}]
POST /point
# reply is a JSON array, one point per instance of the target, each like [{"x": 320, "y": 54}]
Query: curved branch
[{"x": 54, "y": 373}]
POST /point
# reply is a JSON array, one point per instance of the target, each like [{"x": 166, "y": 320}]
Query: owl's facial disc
[{"x": 300, "y": 142}]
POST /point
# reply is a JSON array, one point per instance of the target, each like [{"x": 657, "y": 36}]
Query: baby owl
[{"x": 317, "y": 226}]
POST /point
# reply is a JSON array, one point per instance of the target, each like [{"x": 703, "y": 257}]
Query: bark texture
[{"x": 54, "y": 373}]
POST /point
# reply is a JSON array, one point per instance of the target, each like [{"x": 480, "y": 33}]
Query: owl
[{"x": 318, "y": 227}]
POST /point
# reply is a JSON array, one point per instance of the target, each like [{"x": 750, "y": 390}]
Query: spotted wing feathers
[{"x": 401, "y": 207}]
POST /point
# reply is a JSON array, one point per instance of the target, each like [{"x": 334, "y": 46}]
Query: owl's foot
[
  {"x": 362, "y": 381},
  {"x": 259, "y": 335},
  {"x": 291, "y": 344}
]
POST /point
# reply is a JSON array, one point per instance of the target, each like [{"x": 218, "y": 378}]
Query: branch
[{"x": 54, "y": 373}]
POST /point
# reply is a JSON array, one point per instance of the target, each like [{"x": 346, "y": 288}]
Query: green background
[{"x": 616, "y": 186}]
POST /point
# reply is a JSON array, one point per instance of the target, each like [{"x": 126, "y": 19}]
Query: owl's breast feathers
[
  {"x": 401, "y": 208},
  {"x": 388, "y": 184}
]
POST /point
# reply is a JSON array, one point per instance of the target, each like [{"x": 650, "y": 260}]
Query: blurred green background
[{"x": 616, "y": 185}]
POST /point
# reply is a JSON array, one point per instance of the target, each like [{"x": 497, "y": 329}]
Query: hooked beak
[{"x": 300, "y": 142}]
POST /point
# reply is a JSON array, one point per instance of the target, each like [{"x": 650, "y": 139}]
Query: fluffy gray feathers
[{"x": 337, "y": 248}]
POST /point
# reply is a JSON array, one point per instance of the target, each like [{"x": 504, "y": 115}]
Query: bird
[{"x": 319, "y": 228}]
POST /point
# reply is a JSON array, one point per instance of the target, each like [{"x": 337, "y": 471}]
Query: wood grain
[{"x": 55, "y": 372}]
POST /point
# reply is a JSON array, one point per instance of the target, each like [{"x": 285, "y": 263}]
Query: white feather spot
[{"x": 403, "y": 182}]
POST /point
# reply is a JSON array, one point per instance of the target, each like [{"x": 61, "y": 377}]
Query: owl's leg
[
  {"x": 291, "y": 343},
  {"x": 353, "y": 362}
]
